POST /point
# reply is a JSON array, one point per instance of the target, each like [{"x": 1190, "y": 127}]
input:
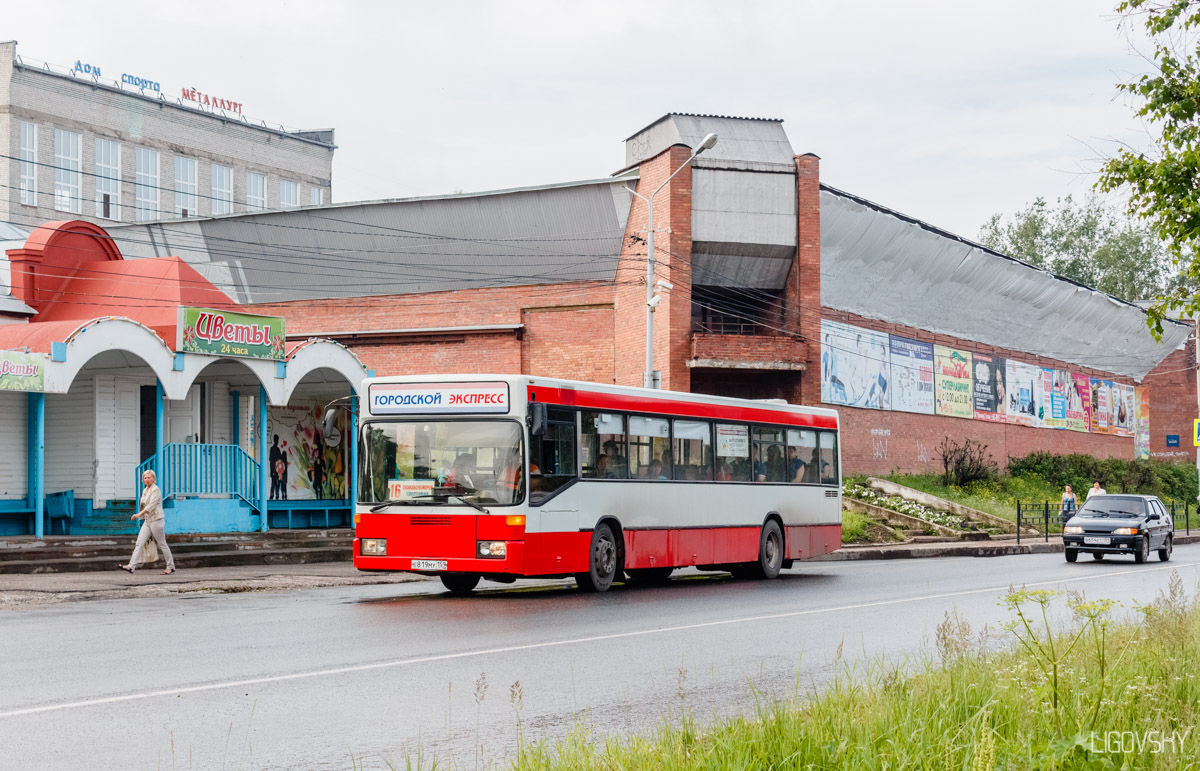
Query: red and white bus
[{"x": 509, "y": 476}]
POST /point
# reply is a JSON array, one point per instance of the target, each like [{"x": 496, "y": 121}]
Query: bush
[
  {"x": 1175, "y": 481},
  {"x": 965, "y": 463}
]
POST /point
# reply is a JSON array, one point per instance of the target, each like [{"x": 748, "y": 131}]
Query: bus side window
[
  {"x": 603, "y": 449},
  {"x": 828, "y": 458},
  {"x": 693, "y": 450},
  {"x": 649, "y": 449},
  {"x": 770, "y": 465},
  {"x": 802, "y": 456},
  {"x": 733, "y": 452}
]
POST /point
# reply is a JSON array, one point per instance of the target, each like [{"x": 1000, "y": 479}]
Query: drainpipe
[
  {"x": 159, "y": 432},
  {"x": 263, "y": 484},
  {"x": 352, "y": 469},
  {"x": 36, "y": 430}
]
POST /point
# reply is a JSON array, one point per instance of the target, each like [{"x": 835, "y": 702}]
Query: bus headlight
[
  {"x": 493, "y": 549},
  {"x": 373, "y": 547}
]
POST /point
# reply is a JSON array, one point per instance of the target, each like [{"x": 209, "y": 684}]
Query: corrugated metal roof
[
  {"x": 758, "y": 142},
  {"x": 882, "y": 265},
  {"x": 517, "y": 237}
]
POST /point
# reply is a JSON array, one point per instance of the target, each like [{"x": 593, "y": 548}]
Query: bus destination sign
[{"x": 438, "y": 398}]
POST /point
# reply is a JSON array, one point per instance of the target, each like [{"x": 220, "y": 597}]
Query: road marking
[{"x": 550, "y": 644}]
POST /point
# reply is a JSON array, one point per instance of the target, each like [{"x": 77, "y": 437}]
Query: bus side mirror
[{"x": 536, "y": 419}]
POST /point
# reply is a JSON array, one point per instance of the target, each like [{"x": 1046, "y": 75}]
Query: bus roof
[{"x": 637, "y": 394}]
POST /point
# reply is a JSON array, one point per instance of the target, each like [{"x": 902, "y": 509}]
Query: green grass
[
  {"x": 998, "y": 497},
  {"x": 1046, "y": 702},
  {"x": 858, "y": 528}
]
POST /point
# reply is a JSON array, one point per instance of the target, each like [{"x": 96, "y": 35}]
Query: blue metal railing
[{"x": 204, "y": 469}]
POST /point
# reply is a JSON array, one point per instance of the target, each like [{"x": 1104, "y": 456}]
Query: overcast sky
[{"x": 946, "y": 111}]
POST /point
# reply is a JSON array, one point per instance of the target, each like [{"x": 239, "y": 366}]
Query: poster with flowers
[{"x": 303, "y": 463}]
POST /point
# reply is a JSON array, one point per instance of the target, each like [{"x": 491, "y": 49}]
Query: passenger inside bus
[
  {"x": 796, "y": 467},
  {"x": 509, "y": 477},
  {"x": 459, "y": 476}
]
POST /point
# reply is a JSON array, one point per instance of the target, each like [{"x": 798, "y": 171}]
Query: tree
[
  {"x": 1088, "y": 242},
  {"x": 1163, "y": 182}
]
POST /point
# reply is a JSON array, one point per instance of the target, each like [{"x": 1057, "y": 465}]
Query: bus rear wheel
[
  {"x": 770, "y": 551},
  {"x": 459, "y": 583},
  {"x": 602, "y": 561}
]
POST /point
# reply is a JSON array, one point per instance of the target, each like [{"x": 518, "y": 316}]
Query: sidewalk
[
  {"x": 992, "y": 548},
  {"x": 40, "y": 589}
]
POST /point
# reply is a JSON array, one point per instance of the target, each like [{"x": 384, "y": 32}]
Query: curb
[{"x": 959, "y": 549}]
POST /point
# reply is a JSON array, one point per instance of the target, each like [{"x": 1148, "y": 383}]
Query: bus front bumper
[{"x": 513, "y": 561}]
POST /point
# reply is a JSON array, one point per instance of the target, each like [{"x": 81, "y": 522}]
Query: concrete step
[
  {"x": 123, "y": 547},
  {"x": 57, "y": 554},
  {"x": 183, "y": 560}
]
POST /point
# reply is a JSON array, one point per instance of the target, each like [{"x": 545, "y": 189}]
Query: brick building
[
  {"x": 763, "y": 264},
  {"x": 89, "y": 143}
]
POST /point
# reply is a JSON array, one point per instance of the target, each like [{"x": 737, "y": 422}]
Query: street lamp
[{"x": 652, "y": 300}]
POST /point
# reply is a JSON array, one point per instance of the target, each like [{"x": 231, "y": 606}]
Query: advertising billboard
[
  {"x": 855, "y": 366},
  {"x": 952, "y": 382},
  {"x": 912, "y": 375}
]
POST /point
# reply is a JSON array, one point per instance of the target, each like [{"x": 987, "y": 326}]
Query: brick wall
[
  {"x": 673, "y": 250},
  {"x": 1172, "y": 387},
  {"x": 574, "y": 342},
  {"x": 568, "y": 330},
  {"x": 804, "y": 285},
  {"x": 747, "y": 348}
]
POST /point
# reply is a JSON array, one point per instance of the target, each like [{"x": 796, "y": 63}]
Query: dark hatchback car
[{"x": 1120, "y": 524}]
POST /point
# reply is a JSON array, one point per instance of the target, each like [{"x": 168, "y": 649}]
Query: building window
[
  {"x": 185, "y": 187},
  {"x": 289, "y": 193},
  {"x": 222, "y": 189},
  {"x": 108, "y": 179},
  {"x": 256, "y": 191},
  {"x": 67, "y": 162},
  {"x": 316, "y": 196},
  {"x": 146, "y": 184},
  {"x": 28, "y": 155},
  {"x": 735, "y": 311}
]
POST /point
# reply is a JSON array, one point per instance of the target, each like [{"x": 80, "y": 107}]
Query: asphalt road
[{"x": 356, "y": 676}]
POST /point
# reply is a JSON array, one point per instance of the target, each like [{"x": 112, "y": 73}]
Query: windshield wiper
[
  {"x": 472, "y": 504},
  {"x": 383, "y": 506}
]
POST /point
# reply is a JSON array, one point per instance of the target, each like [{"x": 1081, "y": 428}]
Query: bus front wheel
[
  {"x": 602, "y": 561},
  {"x": 770, "y": 551},
  {"x": 459, "y": 583}
]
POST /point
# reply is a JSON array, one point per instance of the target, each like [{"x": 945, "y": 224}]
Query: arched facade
[{"x": 117, "y": 394}]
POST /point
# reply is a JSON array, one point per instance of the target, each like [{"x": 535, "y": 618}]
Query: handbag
[{"x": 150, "y": 552}]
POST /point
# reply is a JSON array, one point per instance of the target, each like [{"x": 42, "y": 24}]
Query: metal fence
[{"x": 1046, "y": 516}]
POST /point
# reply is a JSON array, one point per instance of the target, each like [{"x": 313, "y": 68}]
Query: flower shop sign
[
  {"x": 224, "y": 333},
  {"x": 20, "y": 371}
]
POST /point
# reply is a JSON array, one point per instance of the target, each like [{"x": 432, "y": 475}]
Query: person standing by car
[
  {"x": 1096, "y": 489},
  {"x": 154, "y": 522},
  {"x": 1068, "y": 504}
]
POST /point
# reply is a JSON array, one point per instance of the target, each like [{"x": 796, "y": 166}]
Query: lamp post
[{"x": 652, "y": 300}]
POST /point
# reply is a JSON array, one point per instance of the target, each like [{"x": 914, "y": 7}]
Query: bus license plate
[
  {"x": 1098, "y": 540},
  {"x": 429, "y": 564}
]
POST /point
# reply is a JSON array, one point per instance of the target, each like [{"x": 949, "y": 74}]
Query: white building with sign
[
  {"x": 131, "y": 365},
  {"x": 92, "y": 142}
]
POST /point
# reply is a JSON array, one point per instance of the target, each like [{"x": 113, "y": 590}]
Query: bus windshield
[{"x": 442, "y": 462}]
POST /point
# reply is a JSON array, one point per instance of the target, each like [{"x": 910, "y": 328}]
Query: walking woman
[
  {"x": 1068, "y": 504},
  {"x": 153, "y": 524}
]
